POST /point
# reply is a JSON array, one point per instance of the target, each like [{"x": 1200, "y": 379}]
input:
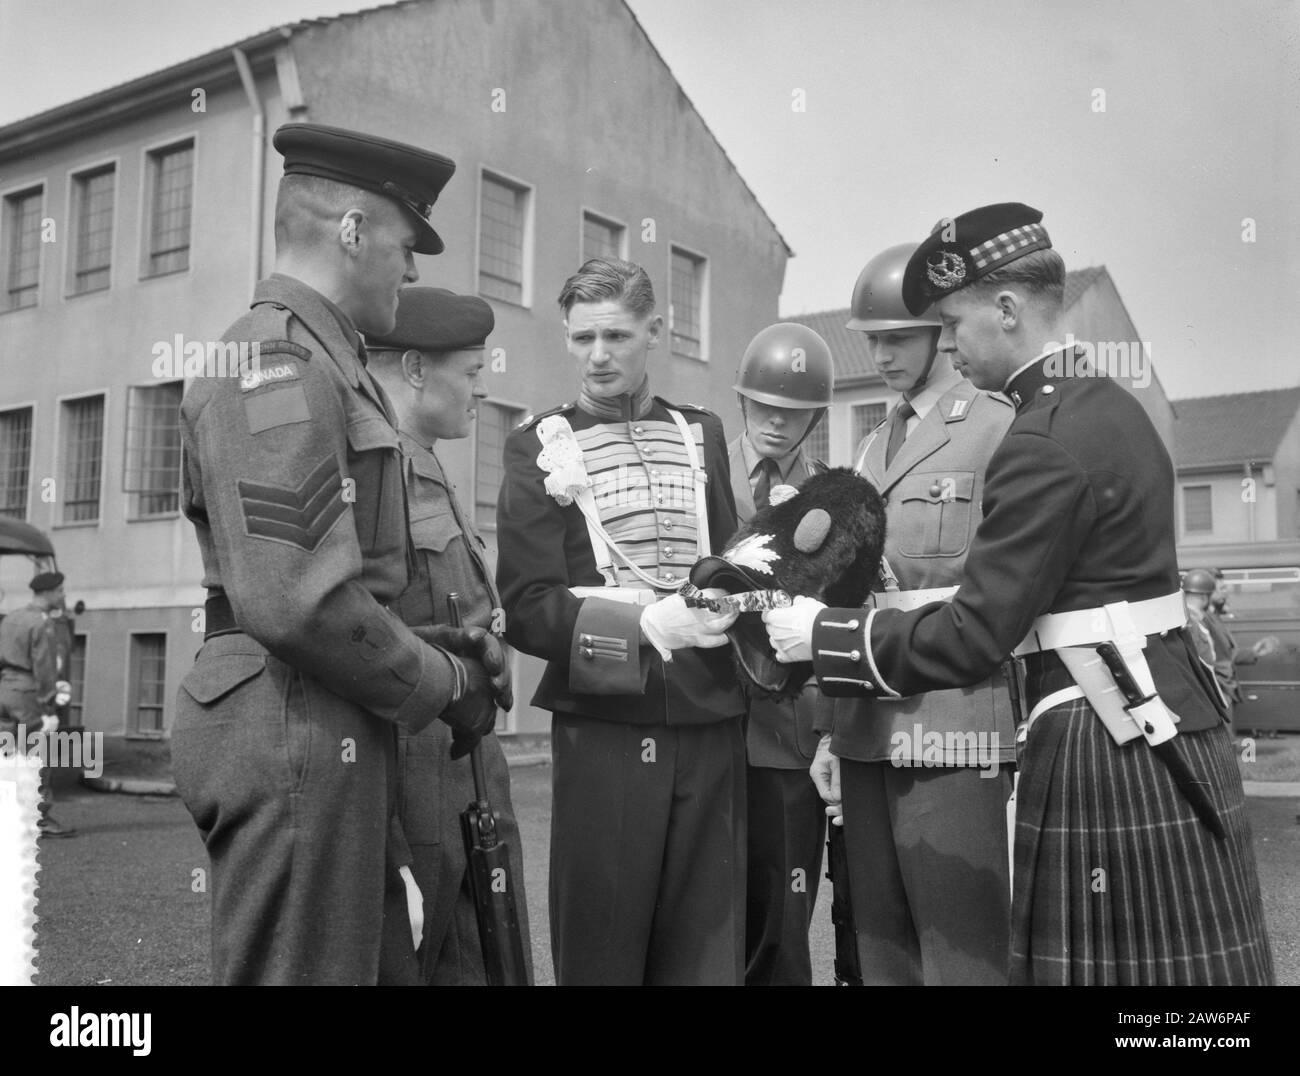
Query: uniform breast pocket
[
  {"x": 375, "y": 485},
  {"x": 434, "y": 533},
  {"x": 936, "y": 513}
]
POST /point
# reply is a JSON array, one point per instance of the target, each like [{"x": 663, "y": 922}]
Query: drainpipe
[{"x": 259, "y": 165}]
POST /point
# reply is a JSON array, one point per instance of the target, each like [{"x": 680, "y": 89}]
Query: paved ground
[{"x": 117, "y": 906}]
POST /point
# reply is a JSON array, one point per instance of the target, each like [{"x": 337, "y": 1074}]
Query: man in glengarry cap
[
  {"x": 1133, "y": 861},
  {"x": 285, "y": 736}
]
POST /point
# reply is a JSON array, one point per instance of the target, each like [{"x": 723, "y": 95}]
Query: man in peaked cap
[
  {"x": 1133, "y": 862},
  {"x": 31, "y": 687},
  {"x": 430, "y": 365},
  {"x": 285, "y": 735}
]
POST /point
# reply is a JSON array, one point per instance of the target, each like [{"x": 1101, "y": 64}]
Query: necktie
[
  {"x": 898, "y": 430},
  {"x": 767, "y": 473}
]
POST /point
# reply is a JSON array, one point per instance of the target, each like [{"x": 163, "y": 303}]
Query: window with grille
[
  {"x": 76, "y": 677},
  {"x": 153, "y": 450},
  {"x": 15, "y": 461},
  {"x": 171, "y": 196},
  {"x": 601, "y": 238},
  {"x": 92, "y": 210},
  {"x": 817, "y": 445},
  {"x": 494, "y": 421},
  {"x": 1198, "y": 517},
  {"x": 148, "y": 683},
  {"x": 866, "y": 417},
  {"x": 22, "y": 248},
  {"x": 686, "y": 309},
  {"x": 503, "y": 227},
  {"x": 82, "y": 422}
]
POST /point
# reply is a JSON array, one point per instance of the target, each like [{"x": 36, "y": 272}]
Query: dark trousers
[
  {"x": 433, "y": 790},
  {"x": 288, "y": 784},
  {"x": 647, "y": 853},
  {"x": 787, "y": 833},
  {"x": 928, "y": 873}
]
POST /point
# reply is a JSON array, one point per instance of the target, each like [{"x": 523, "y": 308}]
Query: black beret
[
  {"x": 46, "y": 581},
  {"x": 411, "y": 177},
  {"x": 435, "y": 319},
  {"x": 963, "y": 249}
]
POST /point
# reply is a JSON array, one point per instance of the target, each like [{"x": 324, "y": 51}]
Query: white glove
[
  {"x": 670, "y": 624},
  {"x": 49, "y": 723},
  {"x": 414, "y": 906},
  {"x": 62, "y": 693},
  {"x": 790, "y": 629},
  {"x": 825, "y": 773}
]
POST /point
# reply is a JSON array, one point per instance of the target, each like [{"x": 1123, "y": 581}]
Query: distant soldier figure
[
  {"x": 784, "y": 384},
  {"x": 430, "y": 366},
  {"x": 32, "y": 684},
  {"x": 1206, "y": 599},
  {"x": 285, "y": 738},
  {"x": 606, "y": 504}
]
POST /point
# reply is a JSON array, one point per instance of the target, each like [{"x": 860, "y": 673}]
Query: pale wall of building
[
  {"x": 1234, "y": 516},
  {"x": 599, "y": 125}
]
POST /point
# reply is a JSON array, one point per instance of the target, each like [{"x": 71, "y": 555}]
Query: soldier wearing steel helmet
[
  {"x": 925, "y": 826},
  {"x": 1203, "y": 594},
  {"x": 784, "y": 386}
]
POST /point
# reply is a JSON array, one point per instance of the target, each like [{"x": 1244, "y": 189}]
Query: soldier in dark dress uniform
[
  {"x": 285, "y": 734},
  {"x": 606, "y": 504},
  {"x": 1117, "y": 877},
  {"x": 429, "y": 365}
]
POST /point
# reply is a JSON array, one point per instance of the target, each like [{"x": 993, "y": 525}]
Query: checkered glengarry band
[{"x": 1008, "y": 245}]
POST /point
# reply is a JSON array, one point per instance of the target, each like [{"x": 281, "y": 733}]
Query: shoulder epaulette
[
  {"x": 684, "y": 407},
  {"x": 530, "y": 421},
  {"x": 274, "y": 341},
  {"x": 999, "y": 397}
]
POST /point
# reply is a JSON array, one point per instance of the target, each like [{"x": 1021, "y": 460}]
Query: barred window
[
  {"x": 503, "y": 225},
  {"x": 76, "y": 677},
  {"x": 171, "y": 174},
  {"x": 153, "y": 450},
  {"x": 817, "y": 445},
  {"x": 93, "y": 212},
  {"x": 148, "y": 683},
  {"x": 494, "y": 421},
  {"x": 15, "y": 461},
  {"x": 686, "y": 310},
  {"x": 1198, "y": 516},
  {"x": 22, "y": 253},
  {"x": 83, "y": 458},
  {"x": 866, "y": 417},
  {"x": 601, "y": 238}
]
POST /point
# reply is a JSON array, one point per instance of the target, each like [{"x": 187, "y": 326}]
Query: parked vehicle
[{"x": 1263, "y": 585}]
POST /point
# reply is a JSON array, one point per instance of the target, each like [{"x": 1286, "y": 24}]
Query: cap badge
[{"x": 948, "y": 271}]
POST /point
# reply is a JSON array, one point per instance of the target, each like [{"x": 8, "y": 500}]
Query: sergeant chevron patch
[{"x": 301, "y": 516}]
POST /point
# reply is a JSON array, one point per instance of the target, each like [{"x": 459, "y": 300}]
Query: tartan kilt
[{"x": 1116, "y": 880}]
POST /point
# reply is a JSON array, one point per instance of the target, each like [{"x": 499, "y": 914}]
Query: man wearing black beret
[
  {"x": 285, "y": 736},
  {"x": 430, "y": 366},
  {"x": 1133, "y": 862}
]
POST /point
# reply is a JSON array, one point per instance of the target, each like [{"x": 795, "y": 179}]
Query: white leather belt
[
  {"x": 912, "y": 599},
  {"x": 1087, "y": 627},
  {"x": 629, "y": 595}
]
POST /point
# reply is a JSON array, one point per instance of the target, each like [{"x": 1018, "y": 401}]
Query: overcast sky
[{"x": 918, "y": 109}]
